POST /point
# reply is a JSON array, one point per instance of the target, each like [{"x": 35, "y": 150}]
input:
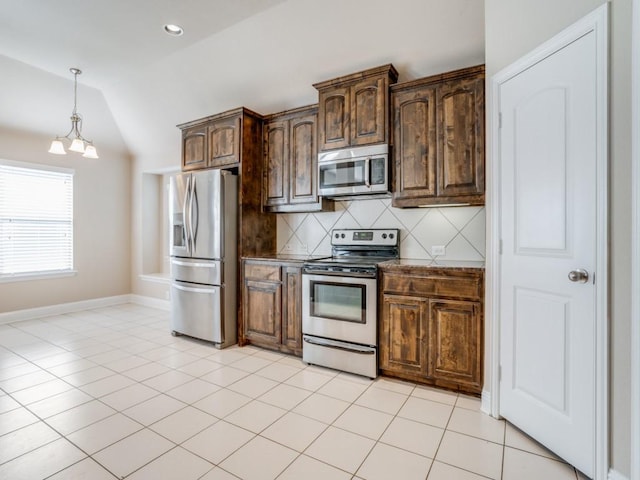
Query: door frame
[
  {"x": 635, "y": 240},
  {"x": 596, "y": 21}
]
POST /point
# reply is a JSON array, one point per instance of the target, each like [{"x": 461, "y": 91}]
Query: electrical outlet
[
  {"x": 288, "y": 247},
  {"x": 438, "y": 250}
]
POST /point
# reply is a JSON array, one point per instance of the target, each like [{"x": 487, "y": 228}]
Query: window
[{"x": 36, "y": 220}]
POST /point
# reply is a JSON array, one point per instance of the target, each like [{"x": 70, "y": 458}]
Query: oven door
[{"x": 340, "y": 308}]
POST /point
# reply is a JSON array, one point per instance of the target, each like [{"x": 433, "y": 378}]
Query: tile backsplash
[{"x": 461, "y": 230}]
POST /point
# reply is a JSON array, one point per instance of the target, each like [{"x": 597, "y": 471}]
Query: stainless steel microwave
[{"x": 354, "y": 171}]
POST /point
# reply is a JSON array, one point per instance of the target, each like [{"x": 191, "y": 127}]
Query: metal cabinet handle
[{"x": 579, "y": 276}]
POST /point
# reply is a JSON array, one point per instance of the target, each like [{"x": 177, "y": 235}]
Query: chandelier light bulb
[
  {"x": 90, "y": 152},
  {"x": 77, "y": 146},
  {"x": 57, "y": 147}
]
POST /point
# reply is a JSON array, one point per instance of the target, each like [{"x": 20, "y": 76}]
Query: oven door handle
[
  {"x": 340, "y": 346},
  {"x": 314, "y": 271}
]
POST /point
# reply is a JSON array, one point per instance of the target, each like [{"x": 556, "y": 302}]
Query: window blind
[{"x": 36, "y": 221}]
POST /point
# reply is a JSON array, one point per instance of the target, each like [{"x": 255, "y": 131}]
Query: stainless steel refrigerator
[{"x": 203, "y": 209}]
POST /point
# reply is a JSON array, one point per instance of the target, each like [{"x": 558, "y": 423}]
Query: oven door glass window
[
  {"x": 351, "y": 173},
  {"x": 338, "y": 301}
]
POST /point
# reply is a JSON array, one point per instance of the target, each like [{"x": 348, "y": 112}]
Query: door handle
[
  {"x": 579, "y": 276},
  {"x": 367, "y": 172}
]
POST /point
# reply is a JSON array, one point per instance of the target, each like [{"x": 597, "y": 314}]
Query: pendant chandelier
[{"x": 78, "y": 143}]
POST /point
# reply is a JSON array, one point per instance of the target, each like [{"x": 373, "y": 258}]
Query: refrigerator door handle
[
  {"x": 195, "y": 213},
  {"x": 187, "y": 219},
  {"x": 189, "y": 213},
  {"x": 194, "y": 290}
]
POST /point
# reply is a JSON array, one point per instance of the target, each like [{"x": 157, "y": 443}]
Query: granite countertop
[
  {"x": 418, "y": 263},
  {"x": 285, "y": 257},
  {"x": 389, "y": 264}
]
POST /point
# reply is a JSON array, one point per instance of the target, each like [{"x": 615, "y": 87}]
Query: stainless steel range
[{"x": 339, "y": 300}]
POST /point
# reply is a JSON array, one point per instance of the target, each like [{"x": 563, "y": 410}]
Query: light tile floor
[{"x": 109, "y": 393}]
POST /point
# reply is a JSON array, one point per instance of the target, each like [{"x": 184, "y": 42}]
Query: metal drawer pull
[
  {"x": 194, "y": 290},
  {"x": 340, "y": 346},
  {"x": 193, "y": 264}
]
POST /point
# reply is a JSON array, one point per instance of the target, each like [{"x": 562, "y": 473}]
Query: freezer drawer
[
  {"x": 207, "y": 272},
  {"x": 197, "y": 311}
]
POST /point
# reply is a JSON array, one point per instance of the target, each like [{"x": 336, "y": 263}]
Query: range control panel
[{"x": 389, "y": 237}]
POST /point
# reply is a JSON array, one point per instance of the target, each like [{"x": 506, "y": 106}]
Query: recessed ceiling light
[{"x": 175, "y": 30}]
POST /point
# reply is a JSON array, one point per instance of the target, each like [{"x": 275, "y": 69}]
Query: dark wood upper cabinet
[
  {"x": 460, "y": 110},
  {"x": 218, "y": 141},
  {"x": 354, "y": 109},
  {"x": 194, "y": 147},
  {"x": 438, "y": 139},
  {"x": 334, "y": 128},
  {"x": 291, "y": 162},
  {"x": 414, "y": 147},
  {"x": 276, "y": 153},
  {"x": 224, "y": 141},
  {"x": 370, "y": 110}
]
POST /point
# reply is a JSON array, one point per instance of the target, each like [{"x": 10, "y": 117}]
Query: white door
[{"x": 548, "y": 143}]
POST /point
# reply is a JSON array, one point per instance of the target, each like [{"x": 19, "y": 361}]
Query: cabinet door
[
  {"x": 276, "y": 163},
  {"x": 194, "y": 148},
  {"x": 414, "y": 120},
  {"x": 224, "y": 142},
  {"x": 461, "y": 137},
  {"x": 303, "y": 154},
  {"x": 456, "y": 342},
  {"x": 334, "y": 126},
  {"x": 262, "y": 314},
  {"x": 292, "y": 315},
  {"x": 404, "y": 335},
  {"x": 369, "y": 112}
]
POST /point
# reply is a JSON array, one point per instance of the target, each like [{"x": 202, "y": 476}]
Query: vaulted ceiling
[{"x": 138, "y": 82}]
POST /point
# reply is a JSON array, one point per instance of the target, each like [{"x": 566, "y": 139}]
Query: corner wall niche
[{"x": 155, "y": 226}]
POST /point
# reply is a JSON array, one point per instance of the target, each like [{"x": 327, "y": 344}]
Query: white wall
[
  {"x": 514, "y": 27},
  {"x": 101, "y": 207},
  {"x": 36, "y": 106}
]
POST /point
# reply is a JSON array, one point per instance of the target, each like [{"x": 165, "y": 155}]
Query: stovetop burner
[{"x": 357, "y": 251}]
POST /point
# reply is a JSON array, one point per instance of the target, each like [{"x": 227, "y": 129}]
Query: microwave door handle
[{"x": 367, "y": 171}]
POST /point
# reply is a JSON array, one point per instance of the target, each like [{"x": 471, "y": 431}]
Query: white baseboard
[
  {"x": 615, "y": 475},
  {"x": 62, "y": 308},
  {"x": 150, "y": 302},
  {"x": 485, "y": 402}
]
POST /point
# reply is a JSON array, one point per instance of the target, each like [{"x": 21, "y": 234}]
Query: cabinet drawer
[
  {"x": 261, "y": 271},
  {"x": 469, "y": 286}
]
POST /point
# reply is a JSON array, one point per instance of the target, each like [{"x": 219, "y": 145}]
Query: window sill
[{"x": 25, "y": 277}]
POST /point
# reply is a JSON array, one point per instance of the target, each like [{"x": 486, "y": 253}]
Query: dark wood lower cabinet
[
  {"x": 456, "y": 332},
  {"x": 431, "y": 326},
  {"x": 271, "y": 305},
  {"x": 292, "y": 314},
  {"x": 262, "y": 302},
  {"x": 404, "y": 335}
]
